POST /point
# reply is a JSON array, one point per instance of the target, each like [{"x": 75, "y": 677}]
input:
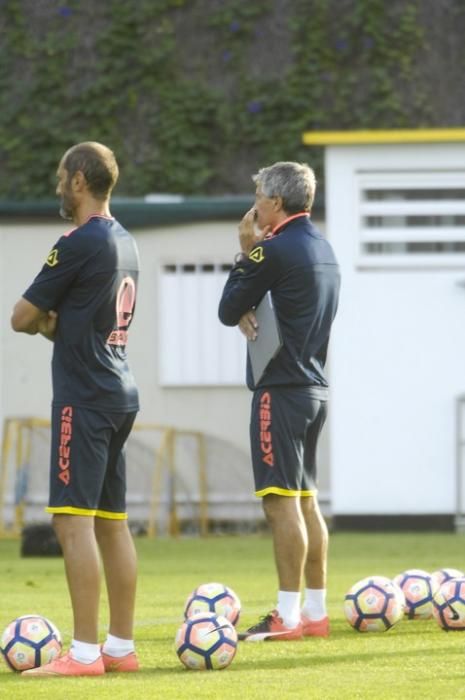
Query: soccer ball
[
  {"x": 30, "y": 641},
  {"x": 374, "y": 604},
  {"x": 449, "y": 604},
  {"x": 216, "y": 598},
  {"x": 206, "y": 642},
  {"x": 443, "y": 575},
  {"x": 418, "y": 587}
]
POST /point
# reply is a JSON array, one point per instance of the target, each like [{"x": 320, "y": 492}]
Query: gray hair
[{"x": 294, "y": 182}]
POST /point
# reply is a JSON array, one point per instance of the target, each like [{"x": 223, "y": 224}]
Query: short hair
[
  {"x": 295, "y": 183},
  {"x": 98, "y": 165}
]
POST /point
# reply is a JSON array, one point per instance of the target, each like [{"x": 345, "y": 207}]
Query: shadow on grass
[
  {"x": 293, "y": 659},
  {"x": 297, "y": 655},
  {"x": 303, "y": 660}
]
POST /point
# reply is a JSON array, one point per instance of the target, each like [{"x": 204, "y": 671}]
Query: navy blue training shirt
[
  {"x": 299, "y": 267},
  {"x": 90, "y": 279}
]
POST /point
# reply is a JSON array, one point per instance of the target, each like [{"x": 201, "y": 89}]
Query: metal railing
[{"x": 15, "y": 456}]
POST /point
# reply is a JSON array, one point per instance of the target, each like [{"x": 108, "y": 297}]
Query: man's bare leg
[
  {"x": 317, "y": 554},
  {"x": 289, "y": 539},
  {"x": 76, "y": 536},
  {"x": 290, "y": 547},
  {"x": 314, "y": 613},
  {"x": 120, "y": 566}
]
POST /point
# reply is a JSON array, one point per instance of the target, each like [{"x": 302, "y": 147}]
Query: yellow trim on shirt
[
  {"x": 71, "y": 510},
  {"x": 284, "y": 492}
]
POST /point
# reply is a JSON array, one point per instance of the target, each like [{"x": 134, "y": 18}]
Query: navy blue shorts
[
  {"x": 87, "y": 465},
  {"x": 284, "y": 428}
]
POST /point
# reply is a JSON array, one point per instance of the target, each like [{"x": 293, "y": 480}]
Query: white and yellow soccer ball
[
  {"x": 419, "y": 588},
  {"x": 216, "y": 598},
  {"x": 449, "y": 604},
  {"x": 206, "y": 642},
  {"x": 374, "y": 604},
  {"x": 30, "y": 641}
]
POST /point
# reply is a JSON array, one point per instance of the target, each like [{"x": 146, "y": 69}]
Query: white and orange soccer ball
[
  {"x": 30, "y": 641},
  {"x": 442, "y": 575},
  {"x": 206, "y": 642},
  {"x": 215, "y": 598},
  {"x": 374, "y": 604},
  {"x": 449, "y": 604},
  {"x": 419, "y": 588}
]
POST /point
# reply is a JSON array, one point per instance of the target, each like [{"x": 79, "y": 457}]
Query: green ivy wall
[{"x": 195, "y": 95}]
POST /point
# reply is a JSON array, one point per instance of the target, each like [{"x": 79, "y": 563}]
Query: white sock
[
  {"x": 289, "y": 607},
  {"x": 315, "y": 603},
  {"x": 115, "y": 646},
  {"x": 83, "y": 652}
]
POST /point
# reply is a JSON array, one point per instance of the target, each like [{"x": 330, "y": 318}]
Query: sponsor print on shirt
[{"x": 125, "y": 301}]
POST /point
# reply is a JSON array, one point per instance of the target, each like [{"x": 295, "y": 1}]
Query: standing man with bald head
[
  {"x": 83, "y": 300},
  {"x": 282, "y": 252}
]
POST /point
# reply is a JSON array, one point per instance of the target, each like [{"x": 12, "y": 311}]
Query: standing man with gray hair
[{"x": 290, "y": 258}]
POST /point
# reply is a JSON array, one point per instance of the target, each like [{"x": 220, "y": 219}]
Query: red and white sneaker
[
  {"x": 271, "y": 628},
  {"x": 315, "y": 628},
  {"x": 66, "y": 666},
  {"x": 124, "y": 664}
]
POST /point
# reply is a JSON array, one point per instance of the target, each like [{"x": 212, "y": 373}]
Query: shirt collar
[
  {"x": 277, "y": 229},
  {"x": 100, "y": 216}
]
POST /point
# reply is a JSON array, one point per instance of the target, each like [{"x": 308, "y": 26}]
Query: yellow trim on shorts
[
  {"x": 70, "y": 510},
  {"x": 108, "y": 515},
  {"x": 284, "y": 492}
]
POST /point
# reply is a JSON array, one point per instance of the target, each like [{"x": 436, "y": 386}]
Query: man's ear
[
  {"x": 278, "y": 203},
  {"x": 78, "y": 181}
]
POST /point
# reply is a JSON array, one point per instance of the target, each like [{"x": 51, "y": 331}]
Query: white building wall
[
  {"x": 25, "y": 360},
  {"x": 398, "y": 346}
]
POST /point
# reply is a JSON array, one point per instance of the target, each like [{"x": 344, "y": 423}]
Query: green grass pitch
[{"x": 416, "y": 659}]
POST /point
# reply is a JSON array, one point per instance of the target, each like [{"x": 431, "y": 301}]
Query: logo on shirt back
[
  {"x": 125, "y": 301},
  {"x": 256, "y": 255},
  {"x": 52, "y": 258}
]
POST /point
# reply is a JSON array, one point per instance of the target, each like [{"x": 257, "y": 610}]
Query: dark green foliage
[{"x": 195, "y": 95}]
